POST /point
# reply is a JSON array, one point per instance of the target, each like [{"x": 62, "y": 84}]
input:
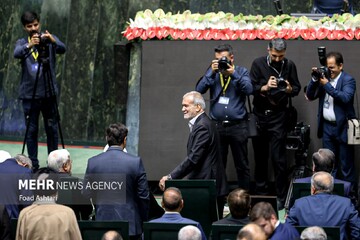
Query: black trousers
[{"x": 271, "y": 142}]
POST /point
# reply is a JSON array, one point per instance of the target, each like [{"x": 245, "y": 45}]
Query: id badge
[
  {"x": 326, "y": 104},
  {"x": 224, "y": 100},
  {"x": 34, "y": 67}
]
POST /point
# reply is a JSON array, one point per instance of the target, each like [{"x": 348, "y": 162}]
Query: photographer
[
  {"x": 268, "y": 75},
  {"x": 38, "y": 88},
  {"x": 229, "y": 85},
  {"x": 335, "y": 90}
]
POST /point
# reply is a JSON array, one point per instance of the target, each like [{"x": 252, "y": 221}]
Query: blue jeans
[{"x": 32, "y": 110}]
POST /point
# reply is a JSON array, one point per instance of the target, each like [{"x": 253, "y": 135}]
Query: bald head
[
  {"x": 322, "y": 182},
  {"x": 251, "y": 231},
  {"x": 172, "y": 200},
  {"x": 189, "y": 233},
  {"x": 111, "y": 235}
]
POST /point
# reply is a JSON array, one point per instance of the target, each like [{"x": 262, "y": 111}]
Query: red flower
[
  {"x": 357, "y": 33},
  {"x": 321, "y": 33},
  {"x": 252, "y": 34},
  {"x": 207, "y": 34},
  {"x": 349, "y": 34},
  {"x": 308, "y": 34}
]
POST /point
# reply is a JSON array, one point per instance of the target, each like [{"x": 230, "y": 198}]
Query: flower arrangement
[{"x": 226, "y": 26}]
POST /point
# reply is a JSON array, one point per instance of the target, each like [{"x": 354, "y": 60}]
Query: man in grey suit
[
  {"x": 203, "y": 160},
  {"x": 117, "y": 183}
]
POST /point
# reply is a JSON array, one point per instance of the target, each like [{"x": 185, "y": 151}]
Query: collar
[
  {"x": 277, "y": 224},
  {"x": 192, "y": 121},
  {"x": 167, "y": 212},
  {"x": 336, "y": 79}
]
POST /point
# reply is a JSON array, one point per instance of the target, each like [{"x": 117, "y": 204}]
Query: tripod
[
  {"x": 50, "y": 95},
  {"x": 298, "y": 140}
]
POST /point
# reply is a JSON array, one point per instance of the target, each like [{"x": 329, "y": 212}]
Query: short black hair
[
  {"x": 116, "y": 134},
  {"x": 224, "y": 48},
  {"x": 338, "y": 57},
  {"x": 28, "y": 17}
]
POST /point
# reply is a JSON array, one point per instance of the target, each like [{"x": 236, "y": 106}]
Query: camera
[
  {"x": 223, "y": 64},
  {"x": 322, "y": 71},
  {"x": 281, "y": 83},
  {"x": 43, "y": 46},
  {"x": 299, "y": 137}
]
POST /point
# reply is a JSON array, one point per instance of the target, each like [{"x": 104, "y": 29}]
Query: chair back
[
  {"x": 156, "y": 231},
  {"x": 199, "y": 201},
  {"x": 224, "y": 231},
  {"x": 304, "y": 189},
  {"x": 94, "y": 230}
]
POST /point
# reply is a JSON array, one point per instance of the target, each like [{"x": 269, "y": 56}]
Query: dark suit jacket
[
  {"x": 324, "y": 209},
  {"x": 10, "y": 173},
  {"x": 233, "y": 221},
  {"x": 131, "y": 203},
  {"x": 177, "y": 218},
  {"x": 347, "y": 185},
  {"x": 203, "y": 160},
  {"x": 343, "y": 96}
]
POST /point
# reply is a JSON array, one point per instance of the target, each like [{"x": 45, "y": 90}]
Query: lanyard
[
  {"x": 224, "y": 85},
  {"x": 35, "y": 54},
  {"x": 282, "y": 66}
]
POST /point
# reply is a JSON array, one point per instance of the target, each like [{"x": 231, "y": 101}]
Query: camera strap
[
  {"x": 224, "y": 85},
  {"x": 35, "y": 54},
  {"x": 269, "y": 64}
]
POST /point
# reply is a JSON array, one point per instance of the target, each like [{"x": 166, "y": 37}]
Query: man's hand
[
  {"x": 288, "y": 88},
  {"x": 48, "y": 36},
  {"x": 215, "y": 65},
  {"x": 162, "y": 182},
  {"x": 272, "y": 83}
]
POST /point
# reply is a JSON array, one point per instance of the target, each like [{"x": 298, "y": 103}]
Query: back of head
[
  {"x": 172, "y": 199},
  {"x": 29, "y": 17},
  {"x": 24, "y": 160},
  {"x": 111, "y": 235},
  {"x": 57, "y": 159},
  {"x": 251, "y": 231},
  {"x": 46, "y": 182},
  {"x": 323, "y": 160},
  {"x": 313, "y": 233},
  {"x": 239, "y": 203},
  {"x": 277, "y": 44},
  {"x": 262, "y": 210},
  {"x": 4, "y": 155},
  {"x": 116, "y": 134},
  {"x": 322, "y": 182},
  {"x": 189, "y": 233}
]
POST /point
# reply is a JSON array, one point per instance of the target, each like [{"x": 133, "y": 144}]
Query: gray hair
[
  {"x": 24, "y": 160},
  {"x": 313, "y": 233},
  {"x": 277, "y": 44},
  {"x": 197, "y": 98},
  {"x": 58, "y": 158},
  {"x": 322, "y": 182},
  {"x": 189, "y": 232}
]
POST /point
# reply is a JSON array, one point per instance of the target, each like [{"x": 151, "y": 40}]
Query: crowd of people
[{"x": 272, "y": 81}]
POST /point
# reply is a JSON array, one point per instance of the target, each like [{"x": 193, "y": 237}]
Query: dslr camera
[
  {"x": 223, "y": 64},
  {"x": 322, "y": 71},
  {"x": 43, "y": 46},
  {"x": 281, "y": 84}
]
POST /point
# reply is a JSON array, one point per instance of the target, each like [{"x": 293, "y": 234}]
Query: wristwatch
[{"x": 169, "y": 177}]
